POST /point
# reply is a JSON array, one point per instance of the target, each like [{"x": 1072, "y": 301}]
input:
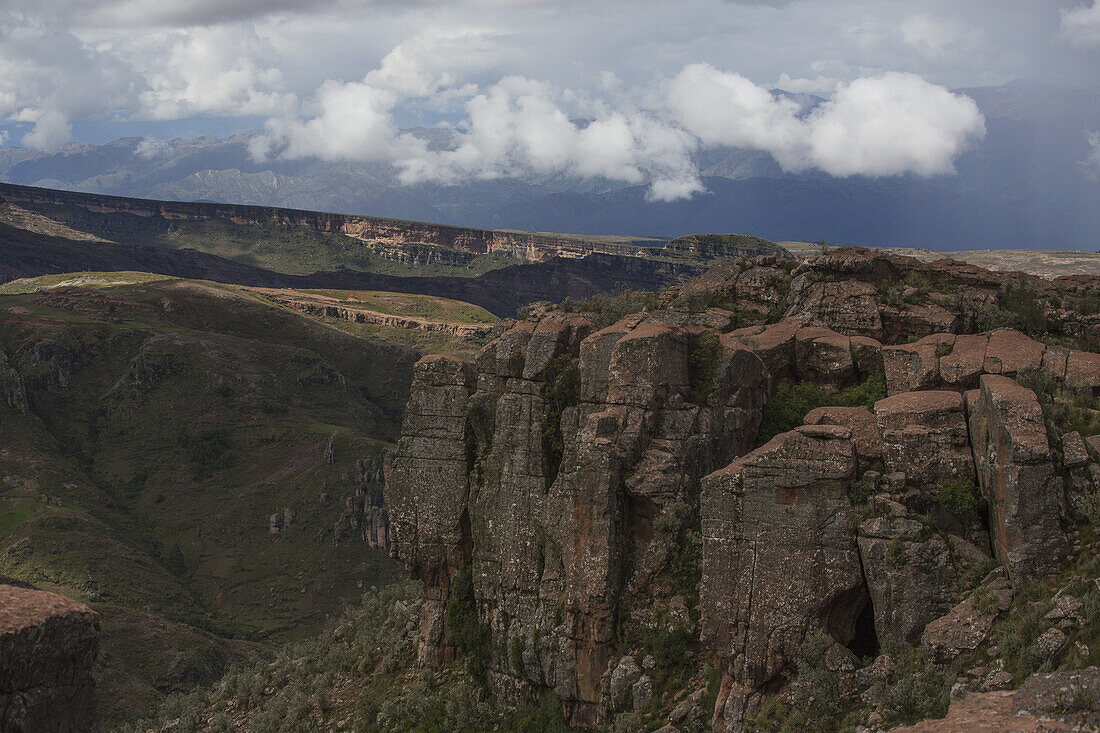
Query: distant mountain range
[{"x": 1027, "y": 185}]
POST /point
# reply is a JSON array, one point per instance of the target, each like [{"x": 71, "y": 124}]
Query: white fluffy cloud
[
  {"x": 1081, "y": 25},
  {"x": 49, "y": 77},
  {"x": 518, "y": 127},
  {"x": 885, "y": 125},
  {"x": 351, "y": 122},
  {"x": 609, "y": 122},
  {"x": 889, "y": 125},
  {"x": 225, "y": 70},
  {"x": 51, "y": 131}
]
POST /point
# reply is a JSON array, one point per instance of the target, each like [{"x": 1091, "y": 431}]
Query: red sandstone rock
[
  {"x": 1083, "y": 369},
  {"x": 1010, "y": 352},
  {"x": 860, "y": 421},
  {"x": 924, "y": 436}
]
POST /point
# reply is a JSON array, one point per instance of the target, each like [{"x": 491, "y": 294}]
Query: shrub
[
  {"x": 960, "y": 497},
  {"x": 792, "y": 402},
  {"x": 923, "y": 694},
  {"x": 561, "y": 388},
  {"x": 464, "y": 628},
  {"x": 859, "y": 492},
  {"x": 607, "y": 309}
]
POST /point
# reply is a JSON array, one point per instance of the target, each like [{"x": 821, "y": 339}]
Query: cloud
[
  {"x": 518, "y": 127},
  {"x": 933, "y": 37},
  {"x": 430, "y": 63},
  {"x": 725, "y": 108},
  {"x": 48, "y": 76},
  {"x": 890, "y": 125},
  {"x": 51, "y": 131},
  {"x": 1081, "y": 25},
  {"x": 150, "y": 148},
  {"x": 351, "y": 121},
  {"x": 1092, "y": 160},
  {"x": 227, "y": 71},
  {"x": 886, "y": 125}
]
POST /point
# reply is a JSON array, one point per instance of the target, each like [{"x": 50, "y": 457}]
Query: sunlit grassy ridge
[{"x": 428, "y": 307}]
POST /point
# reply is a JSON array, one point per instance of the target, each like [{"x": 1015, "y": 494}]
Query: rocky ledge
[{"x": 48, "y": 644}]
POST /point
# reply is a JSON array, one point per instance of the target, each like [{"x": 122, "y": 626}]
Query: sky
[{"x": 623, "y": 90}]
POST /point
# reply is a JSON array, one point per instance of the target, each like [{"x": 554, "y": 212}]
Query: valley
[{"x": 151, "y": 430}]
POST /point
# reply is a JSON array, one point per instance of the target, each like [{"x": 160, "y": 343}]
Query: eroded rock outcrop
[
  {"x": 575, "y": 464},
  {"x": 429, "y": 524},
  {"x": 570, "y": 455},
  {"x": 925, "y": 439},
  {"x": 779, "y": 557},
  {"x": 793, "y": 350},
  {"x": 949, "y": 361},
  {"x": 48, "y": 644},
  {"x": 1017, "y": 478}
]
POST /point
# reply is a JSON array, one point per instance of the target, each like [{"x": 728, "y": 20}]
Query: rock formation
[
  {"x": 1017, "y": 477},
  {"x": 591, "y": 479},
  {"x": 47, "y": 646},
  {"x": 783, "y": 506},
  {"x": 570, "y": 455}
]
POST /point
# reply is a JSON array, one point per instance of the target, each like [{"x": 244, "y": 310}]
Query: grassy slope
[
  {"x": 167, "y": 421},
  {"x": 405, "y": 304}
]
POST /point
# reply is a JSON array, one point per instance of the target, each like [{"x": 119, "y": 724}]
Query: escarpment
[{"x": 578, "y": 490}]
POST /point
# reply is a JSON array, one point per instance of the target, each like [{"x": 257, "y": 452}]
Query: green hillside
[{"x": 148, "y": 433}]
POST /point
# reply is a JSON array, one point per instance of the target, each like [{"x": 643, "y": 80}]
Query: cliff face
[
  {"x": 591, "y": 484},
  {"x": 564, "y": 456},
  {"x": 48, "y": 644}
]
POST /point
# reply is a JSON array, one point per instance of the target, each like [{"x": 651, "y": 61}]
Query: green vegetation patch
[{"x": 793, "y": 401}]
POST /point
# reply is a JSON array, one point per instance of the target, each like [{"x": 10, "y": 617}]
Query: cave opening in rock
[
  {"x": 864, "y": 642},
  {"x": 851, "y": 622}
]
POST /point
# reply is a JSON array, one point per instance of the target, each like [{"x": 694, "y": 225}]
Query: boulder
[
  {"x": 1010, "y": 352},
  {"x": 623, "y": 679},
  {"x": 774, "y": 345},
  {"x": 860, "y": 422},
  {"x": 759, "y": 288},
  {"x": 1074, "y": 452},
  {"x": 912, "y": 367},
  {"x": 960, "y": 630},
  {"x": 48, "y": 645},
  {"x": 823, "y": 357},
  {"x": 1044, "y": 702},
  {"x": 1083, "y": 370},
  {"x": 961, "y": 368},
  {"x": 1017, "y": 478},
  {"x": 848, "y": 306}
]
